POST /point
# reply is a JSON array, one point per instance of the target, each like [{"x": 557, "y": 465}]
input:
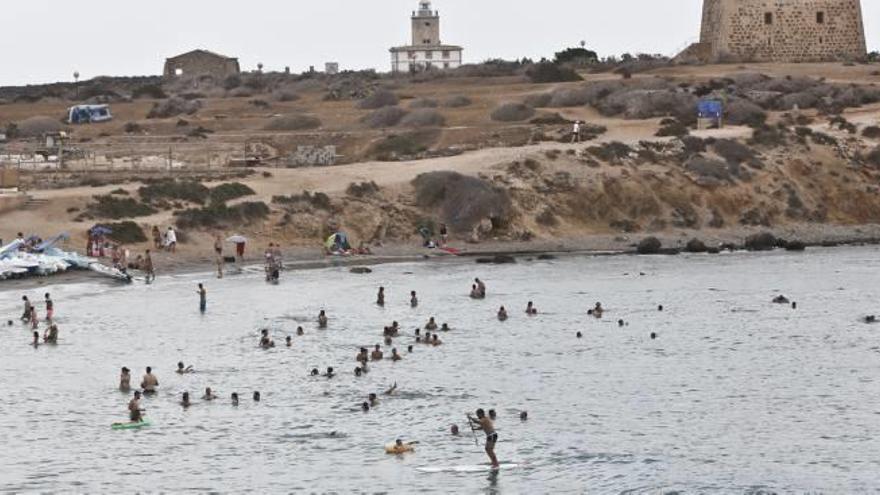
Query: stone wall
[
  {"x": 425, "y": 29},
  {"x": 784, "y": 30},
  {"x": 201, "y": 62},
  {"x": 312, "y": 156}
]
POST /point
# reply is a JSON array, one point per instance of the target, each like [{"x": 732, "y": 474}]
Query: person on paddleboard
[
  {"x": 149, "y": 382},
  {"x": 481, "y": 422},
  {"x": 135, "y": 413}
]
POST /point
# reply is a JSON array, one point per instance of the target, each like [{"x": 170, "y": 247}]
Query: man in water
[
  {"x": 182, "y": 370},
  {"x": 394, "y": 355},
  {"x": 413, "y": 299},
  {"x": 203, "y": 298},
  {"x": 380, "y": 298},
  {"x": 125, "y": 380},
  {"x": 265, "y": 341},
  {"x": 481, "y": 288},
  {"x": 481, "y": 422},
  {"x": 149, "y": 270},
  {"x": 431, "y": 325},
  {"x": 184, "y": 400},
  {"x": 322, "y": 319},
  {"x": 26, "y": 316},
  {"x": 502, "y": 314},
  {"x": 234, "y": 398},
  {"x": 135, "y": 413},
  {"x": 50, "y": 308},
  {"x": 362, "y": 356},
  {"x": 530, "y": 309},
  {"x": 51, "y": 334},
  {"x": 374, "y": 400},
  {"x": 209, "y": 394},
  {"x": 377, "y": 354},
  {"x": 288, "y": 341},
  {"x": 329, "y": 373},
  {"x": 149, "y": 382}
]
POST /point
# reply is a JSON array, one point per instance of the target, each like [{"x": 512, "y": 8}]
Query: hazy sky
[{"x": 47, "y": 40}]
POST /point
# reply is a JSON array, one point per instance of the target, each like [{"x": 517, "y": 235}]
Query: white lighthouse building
[{"x": 426, "y": 52}]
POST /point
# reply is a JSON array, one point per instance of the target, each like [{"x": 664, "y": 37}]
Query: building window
[
  {"x": 768, "y": 18},
  {"x": 445, "y": 53},
  {"x": 820, "y": 17},
  {"x": 427, "y": 24},
  {"x": 429, "y": 55},
  {"x": 426, "y": 41}
]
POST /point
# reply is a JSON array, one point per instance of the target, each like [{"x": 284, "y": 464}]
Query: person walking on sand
[
  {"x": 576, "y": 132},
  {"x": 481, "y": 422},
  {"x": 149, "y": 270},
  {"x": 171, "y": 240},
  {"x": 203, "y": 298},
  {"x": 239, "y": 251}
]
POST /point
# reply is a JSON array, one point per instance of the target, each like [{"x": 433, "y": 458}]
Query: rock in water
[
  {"x": 361, "y": 270},
  {"x": 649, "y": 245},
  {"x": 764, "y": 241},
  {"x": 696, "y": 246}
]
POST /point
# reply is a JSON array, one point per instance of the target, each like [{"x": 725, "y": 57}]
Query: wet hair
[
  {"x": 580, "y": 335},
  {"x": 137, "y": 393},
  {"x": 149, "y": 370},
  {"x": 329, "y": 370},
  {"x": 481, "y": 413},
  {"x": 660, "y": 308},
  {"x": 365, "y": 406},
  {"x": 315, "y": 371},
  {"x": 186, "y": 396},
  {"x": 377, "y": 347},
  {"x": 9, "y": 322},
  {"x": 180, "y": 364},
  {"x": 47, "y": 295},
  {"x": 409, "y": 348},
  {"x": 620, "y": 323},
  {"x": 492, "y": 413},
  {"x": 418, "y": 339},
  {"x": 794, "y": 305},
  {"x": 372, "y": 396},
  {"x": 523, "y": 416},
  {"x": 358, "y": 371},
  {"x": 125, "y": 370},
  {"x": 454, "y": 429}
]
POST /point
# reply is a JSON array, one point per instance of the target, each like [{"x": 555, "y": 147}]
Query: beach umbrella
[
  {"x": 237, "y": 239},
  {"x": 101, "y": 230}
]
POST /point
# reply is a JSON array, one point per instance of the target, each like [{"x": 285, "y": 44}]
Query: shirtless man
[
  {"x": 125, "y": 379},
  {"x": 362, "y": 356},
  {"x": 209, "y": 394},
  {"x": 265, "y": 341},
  {"x": 377, "y": 354},
  {"x": 380, "y": 298},
  {"x": 394, "y": 355},
  {"x": 481, "y": 288},
  {"x": 149, "y": 382},
  {"x": 502, "y": 314},
  {"x": 51, "y": 334},
  {"x": 26, "y": 316},
  {"x": 182, "y": 370},
  {"x": 481, "y": 422},
  {"x": 413, "y": 299},
  {"x": 432, "y": 325},
  {"x": 50, "y": 308},
  {"x": 530, "y": 309},
  {"x": 184, "y": 400},
  {"x": 322, "y": 319},
  {"x": 135, "y": 413}
]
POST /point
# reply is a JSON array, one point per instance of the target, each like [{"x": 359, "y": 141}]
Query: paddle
[{"x": 473, "y": 431}]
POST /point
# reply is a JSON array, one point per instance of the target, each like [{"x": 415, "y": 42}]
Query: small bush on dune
[
  {"x": 512, "y": 112},
  {"x": 562, "y": 98},
  {"x": 229, "y": 191},
  {"x": 672, "y": 127},
  {"x": 463, "y": 201},
  {"x": 126, "y": 232},
  {"x": 115, "y": 208},
  {"x": 734, "y": 151},
  {"x": 704, "y": 167},
  {"x": 548, "y": 72},
  {"x": 317, "y": 200},
  {"x": 284, "y": 96},
  {"x": 220, "y": 215},
  {"x": 423, "y": 103},
  {"x": 242, "y": 92},
  {"x": 185, "y": 190},
  {"x": 293, "y": 122},
  {"x": 405, "y": 144},
  {"x": 610, "y": 152},
  {"x": 744, "y": 112},
  {"x": 153, "y": 91},
  {"x": 362, "y": 190},
  {"x": 379, "y": 99},
  {"x": 540, "y": 100},
  {"x": 37, "y": 126},
  {"x": 425, "y": 117},
  {"x": 873, "y": 158},
  {"x": 457, "y": 101},
  {"x": 173, "y": 107},
  {"x": 871, "y": 132},
  {"x": 384, "y": 117}
]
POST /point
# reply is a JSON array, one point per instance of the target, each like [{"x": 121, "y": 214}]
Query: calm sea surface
[{"x": 737, "y": 395}]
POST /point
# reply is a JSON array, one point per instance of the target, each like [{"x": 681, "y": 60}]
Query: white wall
[{"x": 420, "y": 58}]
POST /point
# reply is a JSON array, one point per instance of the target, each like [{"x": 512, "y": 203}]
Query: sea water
[{"x": 736, "y": 394}]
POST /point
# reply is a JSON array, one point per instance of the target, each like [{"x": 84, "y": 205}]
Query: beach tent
[
  {"x": 337, "y": 242},
  {"x": 87, "y": 114}
]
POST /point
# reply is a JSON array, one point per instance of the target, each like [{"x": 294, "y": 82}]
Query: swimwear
[{"x": 493, "y": 438}]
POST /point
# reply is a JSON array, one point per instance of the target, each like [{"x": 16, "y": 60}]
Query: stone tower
[
  {"x": 425, "y": 25},
  {"x": 781, "y": 30}
]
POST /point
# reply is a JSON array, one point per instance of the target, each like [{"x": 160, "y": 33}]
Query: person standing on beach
[
  {"x": 239, "y": 251},
  {"x": 149, "y": 270},
  {"x": 481, "y": 422},
  {"x": 26, "y": 316},
  {"x": 203, "y": 298},
  {"x": 171, "y": 240},
  {"x": 157, "y": 238},
  {"x": 444, "y": 235},
  {"x": 576, "y": 132},
  {"x": 50, "y": 308},
  {"x": 218, "y": 252}
]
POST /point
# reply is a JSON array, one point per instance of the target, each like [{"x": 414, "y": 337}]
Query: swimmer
[
  {"x": 781, "y": 300},
  {"x": 413, "y": 299},
  {"x": 377, "y": 354},
  {"x": 388, "y": 341},
  {"x": 481, "y": 422},
  {"x": 481, "y": 288},
  {"x": 793, "y": 305},
  {"x": 474, "y": 293},
  {"x": 125, "y": 380},
  {"x": 435, "y": 340},
  {"x": 51, "y": 334},
  {"x": 203, "y": 298},
  {"x": 364, "y": 368},
  {"x": 315, "y": 372},
  {"x": 50, "y": 308},
  {"x": 234, "y": 398},
  {"x": 322, "y": 319},
  {"x": 181, "y": 370},
  {"x": 395, "y": 326},
  {"x": 523, "y": 416},
  {"x": 454, "y": 430},
  {"x": 209, "y": 394},
  {"x": 362, "y": 356},
  {"x": 653, "y": 336},
  {"x": 394, "y": 355},
  {"x": 620, "y": 323},
  {"x": 256, "y": 396},
  {"x": 502, "y": 314},
  {"x": 300, "y": 331},
  {"x": 418, "y": 331},
  {"x": 392, "y": 389},
  {"x": 36, "y": 338},
  {"x": 149, "y": 382},
  {"x": 409, "y": 348},
  {"x": 329, "y": 373},
  {"x": 135, "y": 413},
  {"x": 431, "y": 325},
  {"x": 265, "y": 341},
  {"x": 530, "y": 309},
  {"x": 580, "y": 335},
  {"x": 598, "y": 310},
  {"x": 288, "y": 341},
  {"x": 445, "y": 327},
  {"x": 374, "y": 400},
  {"x": 184, "y": 401},
  {"x": 365, "y": 407},
  {"x": 492, "y": 414},
  {"x": 660, "y": 308},
  {"x": 358, "y": 371},
  {"x": 380, "y": 298}
]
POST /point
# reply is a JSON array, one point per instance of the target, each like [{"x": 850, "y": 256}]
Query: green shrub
[
  {"x": 184, "y": 190},
  {"x": 218, "y": 215},
  {"x": 293, "y": 122},
  {"x": 317, "y": 200},
  {"x": 379, "y": 99},
  {"x": 229, "y": 191},
  {"x": 512, "y": 112},
  {"x": 115, "y": 208},
  {"x": 127, "y": 232},
  {"x": 463, "y": 201},
  {"x": 406, "y": 144},
  {"x": 548, "y": 72},
  {"x": 153, "y": 91}
]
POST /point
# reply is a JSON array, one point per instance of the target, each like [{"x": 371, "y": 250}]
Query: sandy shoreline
[{"x": 300, "y": 258}]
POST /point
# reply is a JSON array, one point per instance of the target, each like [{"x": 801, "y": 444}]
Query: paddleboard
[
  {"x": 477, "y": 468},
  {"x": 130, "y": 426}
]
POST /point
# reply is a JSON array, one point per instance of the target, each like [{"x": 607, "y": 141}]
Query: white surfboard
[{"x": 477, "y": 468}]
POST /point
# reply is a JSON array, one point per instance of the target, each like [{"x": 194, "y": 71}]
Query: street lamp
[{"x": 76, "y": 83}]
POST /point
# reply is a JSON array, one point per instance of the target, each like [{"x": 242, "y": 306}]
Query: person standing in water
[
  {"x": 203, "y": 298},
  {"x": 125, "y": 380},
  {"x": 35, "y": 321},
  {"x": 149, "y": 270},
  {"x": 218, "y": 253},
  {"x": 322, "y": 319},
  {"x": 481, "y": 422},
  {"x": 380, "y": 298},
  {"x": 149, "y": 382},
  {"x": 481, "y": 289},
  {"x": 50, "y": 308},
  {"x": 413, "y": 299},
  {"x": 26, "y": 316}
]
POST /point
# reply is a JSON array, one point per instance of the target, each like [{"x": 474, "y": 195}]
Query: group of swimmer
[{"x": 30, "y": 317}]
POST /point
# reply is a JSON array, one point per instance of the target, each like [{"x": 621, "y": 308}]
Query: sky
[{"x": 48, "y": 40}]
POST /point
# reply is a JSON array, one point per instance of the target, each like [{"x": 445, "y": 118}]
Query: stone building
[
  {"x": 781, "y": 31},
  {"x": 426, "y": 51},
  {"x": 200, "y": 62}
]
